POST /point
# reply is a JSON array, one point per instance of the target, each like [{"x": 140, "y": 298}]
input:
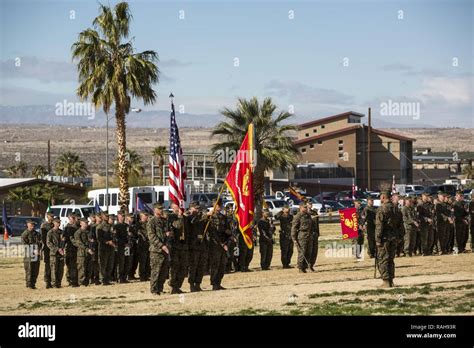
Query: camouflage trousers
[
  {"x": 385, "y": 259},
  {"x": 472, "y": 235},
  {"x": 218, "y": 260},
  {"x": 123, "y": 262},
  {"x": 266, "y": 253},
  {"x": 47, "y": 268},
  {"x": 314, "y": 251},
  {"x": 84, "y": 269},
  {"x": 159, "y": 265},
  {"x": 71, "y": 267},
  {"x": 426, "y": 239},
  {"x": 56, "y": 264},
  {"x": 410, "y": 240},
  {"x": 143, "y": 263},
  {"x": 286, "y": 247},
  {"x": 106, "y": 264},
  {"x": 197, "y": 265},
  {"x": 304, "y": 247},
  {"x": 178, "y": 267},
  {"x": 460, "y": 230},
  {"x": 371, "y": 240},
  {"x": 245, "y": 255},
  {"x": 133, "y": 262},
  {"x": 442, "y": 239},
  {"x": 358, "y": 245},
  {"x": 95, "y": 275},
  {"x": 31, "y": 272}
]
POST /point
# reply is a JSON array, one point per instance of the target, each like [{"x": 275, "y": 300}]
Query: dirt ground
[{"x": 340, "y": 286}]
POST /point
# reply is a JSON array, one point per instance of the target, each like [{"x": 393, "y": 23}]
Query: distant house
[
  {"x": 73, "y": 193},
  {"x": 334, "y": 151}
]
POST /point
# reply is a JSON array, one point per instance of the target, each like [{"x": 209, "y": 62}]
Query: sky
[{"x": 314, "y": 58}]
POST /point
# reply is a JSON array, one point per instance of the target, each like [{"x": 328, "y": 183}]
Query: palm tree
[
  {"x": 111, "y": 73},
  {"x": 274, "y": 147},
  {"x": 69, "y": 164},
  {"x": 12, "y": 171},
  {"x": 134, "y": 162},
  {"x": 159, "y": 153},
  {"x": 22, "y": 168},
  {"x": 468, "y": 172},
  {"x": 51, "y": 193},
  {"x": 39, "y": 171},
  {"x": 30, "y": 195}
]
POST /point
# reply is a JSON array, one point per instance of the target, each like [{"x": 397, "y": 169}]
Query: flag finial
[{"x": 171, "y": 97}]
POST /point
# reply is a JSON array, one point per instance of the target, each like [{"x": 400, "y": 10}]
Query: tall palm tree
[
  {"x": 468, "y": 172},
  {"x": 30, "y": 195},
  {"x": 274, "y": 147},
  {"x": 12, "y": 171},
  {"x": 22, "y": 168},
  {"x": 135, "y": 166},
  {"x": 69, "y": 164},
  {"x": 159, "y": 153},
  {"x": 39, "y": 171},
  {"x": 111, "y": 73}
]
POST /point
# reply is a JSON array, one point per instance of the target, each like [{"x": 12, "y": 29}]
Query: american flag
[{"x": 177, "y": 174}]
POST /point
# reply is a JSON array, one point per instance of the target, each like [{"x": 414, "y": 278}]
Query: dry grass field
[{"x": 340, "y": 286}]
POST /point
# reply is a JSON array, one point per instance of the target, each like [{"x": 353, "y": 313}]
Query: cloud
[
  {"x": 457, "y": 91},
  {"x": 42, "y": 69},
  {"x": 297, "y": 92}
]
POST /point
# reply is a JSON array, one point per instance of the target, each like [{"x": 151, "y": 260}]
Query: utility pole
[
  {"x": 49, "y": 157},
  {"x": 369, "y": 136}
]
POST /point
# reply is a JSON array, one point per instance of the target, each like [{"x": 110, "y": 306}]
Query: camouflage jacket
[
  {"x": 33, "y": 240},
  {"x": 470, "y": 208},
  {"x": 285, "y": 224},
  {"x": 386, "y": 223},
  {"x": 176, "y": 225},
  {"x": 195, "y": 225},
  {"x": 409, "y": 217},
  {"x": 425, "y": 212},
  {"x": 443, "y": 212},
  {"x": 81, "y": 242},
  {"x": 104, "y": 235},
  {"x": 369, "y": 217},
  {"x": 68, "y": 233},
  {"x": 460, "y": 212},
  {"x": 44, "y": 229},
  {"x": 53, "y": 239},
  {"x": 218, "y": 231},
  {"x": 143, "y": 242},
  {"x": 156, "y": 231},
  {"x": 265, "y": 230},
  {"x": 302, "y": 226}
]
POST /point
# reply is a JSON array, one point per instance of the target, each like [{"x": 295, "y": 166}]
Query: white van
[
  {"x": 146, "y": 194},
  {"x": 162, "y": 195},
  {"x": 62, "y": 211}
]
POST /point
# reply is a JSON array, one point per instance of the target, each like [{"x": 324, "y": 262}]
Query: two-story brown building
[{"x": 334, "y": 151}]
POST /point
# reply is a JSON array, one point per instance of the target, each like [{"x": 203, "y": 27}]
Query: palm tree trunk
[{"x": 122, "y": 163}]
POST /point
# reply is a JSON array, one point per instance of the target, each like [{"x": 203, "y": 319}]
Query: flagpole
[{"x": 213, "y": 210}]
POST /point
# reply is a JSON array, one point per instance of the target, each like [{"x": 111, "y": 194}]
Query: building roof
[
  {"x": 326, "y": 135},
  {"x": 390, "y": 134},
  {"x": 329, "y": 119},
  {"x": 10, "y": 183}
]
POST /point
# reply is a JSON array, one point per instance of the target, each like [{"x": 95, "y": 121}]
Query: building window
[
  {"x": 341, "y": 155},
  {"x": 303, "y": 150},
  {"x": 323, "y": 126},
  {"x": 341, "y": 148},
  {"x": 315, "y": 130},
  {"x": 341, "y": 142},
  {"x": 311, "y": 146},
  {"x": 306, "y": 135},
  {"x": 320, "y": 142},
  {"x": 389, "y": 146}
]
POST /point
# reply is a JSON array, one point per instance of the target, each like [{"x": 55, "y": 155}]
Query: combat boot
[
  {"x": 391, "y": 283},
  {"x": 385, "y": 284},
  {"x": 48, "y": 286},
  {"x": 197, "y": 287},
  {"x": 192, "y": 288},
  {"x": 312, "y": 269}
]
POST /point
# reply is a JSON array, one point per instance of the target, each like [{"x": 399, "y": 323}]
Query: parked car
[
  {"x": 205, "y": 199},
  {"x": 348, "y": 195},
  {"x": 449, "y": 189},
  {"x": 18, "y": 223}
]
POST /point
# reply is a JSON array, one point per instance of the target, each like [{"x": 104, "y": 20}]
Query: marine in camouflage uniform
[
  {"x": 71, "y": 251},
  {"x": 123, "y": 248},
  {"x": 358, "y": 243},
  {"x": 460, "y": 223},
  {"x": 84, "y": 253},
  {"x": 179, "y": 249},
  {"x": 387, "y": 236},
  {"x": 426, "y": 232},
  {"x": 265, "y": 230},
  {"x": 315, "y": 236},
  {"x": 106, "y": 249},
  {"x": 32, "y": 241},
  {"x": 470, "y": 210},
  {"x": 368, "y": 214},
  {"x": 143, "y": 246},
  {"x": 443, "y": 215},
  {"x": 301, "y": 234},
  {"x": 198, "y": 245},
  {"x": 55, "y": 241},
  {"x": 411, "y": 226},
  {"x": 286, "y": 243},
  {"x": 132, "y": 245},
  {"x": 95, "y": 276},
  {"x": 45, "y": 227},
  {"x": 159, "y": 252},
  {"x": 233, "y": 259},
  {"x": 218, "y": 234},
  {"x": 399, "y": 225}
]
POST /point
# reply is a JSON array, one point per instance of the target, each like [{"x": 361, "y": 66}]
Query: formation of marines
[{"x": 176, "y": 245}]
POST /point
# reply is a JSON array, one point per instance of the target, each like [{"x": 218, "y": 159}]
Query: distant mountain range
[{"x": 47, "y": 115}]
